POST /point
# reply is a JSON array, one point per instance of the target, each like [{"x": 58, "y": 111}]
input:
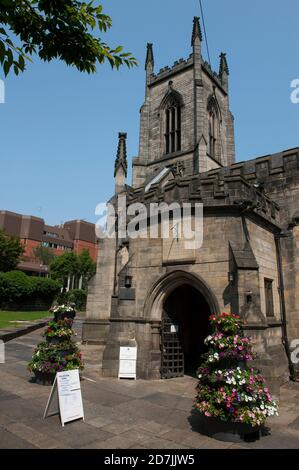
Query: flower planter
[
  {"x": 57, "y": 339},
  {"x": 65, "y": 352},
  {"x": 44, "y": 378},
  {"x": 61, "y": 316},
  {"x": 230, "y": 388},
  {"x": 57, "y": 351},
  {"x": 228, "y": 431},
  {"x": 47, "y": 378}
]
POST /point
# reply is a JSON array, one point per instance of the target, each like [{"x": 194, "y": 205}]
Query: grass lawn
[{"x": 7, "y": 317}]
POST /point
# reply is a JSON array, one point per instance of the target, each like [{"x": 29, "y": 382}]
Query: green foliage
[
  {"x": 11, "y": 249},
  {"x": 44, "y": 255},
  {"x": 64, "y": 266},
  {"x": 16, "y": 286},
  {"x": 76, "y": 296},
  {"x": 55, "y": 29},
  {"x": 59, "y": 329},
  {"x": 48, "y": 358},
  {"x": 87, "y": 267},
  {"x": 72, "y": 265}
]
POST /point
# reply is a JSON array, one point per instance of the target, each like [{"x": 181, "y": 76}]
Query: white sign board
[
  {"x": 127, "y": 362},
  {"x": 66, "y": 397},
  {"x": 2, "y": 352}
]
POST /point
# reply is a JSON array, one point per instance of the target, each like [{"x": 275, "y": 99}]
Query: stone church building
[{"x": 158, "y": 295}]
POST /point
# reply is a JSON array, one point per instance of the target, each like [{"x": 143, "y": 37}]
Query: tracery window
[
  {"x": 213, "y": 124},
  {"x": 173, "y": 118},
  {"x": 214, "y": 121}
]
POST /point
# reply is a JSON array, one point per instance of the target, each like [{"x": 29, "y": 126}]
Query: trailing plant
[
  {"x": 59, "y": 329},
  {"x": 49, "y": 360}
]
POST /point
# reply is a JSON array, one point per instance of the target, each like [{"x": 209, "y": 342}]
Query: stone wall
[
  {"x": 138, "y": 319},
  {"x": 264, "y": 249}
]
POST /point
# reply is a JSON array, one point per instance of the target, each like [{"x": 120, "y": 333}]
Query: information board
[
  {"x": 65, "y": 397},
  {"x": 127, "y": 362}
]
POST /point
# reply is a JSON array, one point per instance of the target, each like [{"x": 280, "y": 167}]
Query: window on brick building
[
  {"x": 173, "y": 118},
  {"x": 269, "y": 297}
]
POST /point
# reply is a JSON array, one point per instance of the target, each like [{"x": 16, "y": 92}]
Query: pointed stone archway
[{"x": 181, "y": 302}]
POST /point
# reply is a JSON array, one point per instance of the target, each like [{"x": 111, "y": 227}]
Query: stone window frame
[
  {"x": 214, "y": 128},
  {"x": 171, "y": 119},
  {"x": 172, "y": 127}
]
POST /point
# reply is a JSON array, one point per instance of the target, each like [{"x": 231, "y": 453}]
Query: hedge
[
  {"x": 17, "y": 288},
  {"x": 77, "y": 296}
]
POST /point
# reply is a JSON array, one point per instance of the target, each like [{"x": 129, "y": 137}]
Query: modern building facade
[
  {"x": 156, "y": 293},
  {"x": 75, "y": 235}
]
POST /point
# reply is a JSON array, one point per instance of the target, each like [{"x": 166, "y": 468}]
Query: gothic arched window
[
  {"x": 214, "y": 128},
  {"x": 172, "y": 126},
  {"x": 212, "y": 133}
]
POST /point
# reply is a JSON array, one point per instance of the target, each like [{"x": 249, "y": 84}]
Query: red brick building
[{"x": 74, "y": 235}]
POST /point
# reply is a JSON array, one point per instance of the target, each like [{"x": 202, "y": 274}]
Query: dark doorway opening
[{"x": 185, "y": 325}]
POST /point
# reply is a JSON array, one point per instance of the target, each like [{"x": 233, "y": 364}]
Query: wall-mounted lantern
[{"x": 128, "y": 281}]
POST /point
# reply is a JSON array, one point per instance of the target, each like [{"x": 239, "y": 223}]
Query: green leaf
[
  {"x": 2, "y": 50},
  {"x": 9, "y": 42},
  {"x": 6, "y": 68},
  {"x": 21, "y": 63},
  {"x": 54, "y": 30},
  {"x": 9, "y": 55},
  {"x": 117, "y": 50}
]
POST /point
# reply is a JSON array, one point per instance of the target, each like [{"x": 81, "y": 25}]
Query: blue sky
[{"x": 58, "y": 127}]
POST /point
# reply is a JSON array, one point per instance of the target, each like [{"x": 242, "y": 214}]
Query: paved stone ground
[{"x": 118, "y": 414}]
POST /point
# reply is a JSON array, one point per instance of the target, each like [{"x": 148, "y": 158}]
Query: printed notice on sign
[{"x": 67, "y": 387}]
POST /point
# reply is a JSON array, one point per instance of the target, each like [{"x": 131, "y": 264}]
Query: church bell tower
[{"x": 185, "y": 117}]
